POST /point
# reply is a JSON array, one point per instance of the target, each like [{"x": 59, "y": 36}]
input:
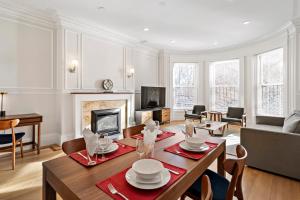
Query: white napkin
[
  {"x": 150, "y": 125},
  {"x": 150, "y": 136},
  {"x": 91, "y": 141},
  {"x": 189, "y": 128}
]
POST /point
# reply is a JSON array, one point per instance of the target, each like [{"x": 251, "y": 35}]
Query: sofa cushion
[
  {"x": 266, "y": 127},
  {"x": 292, "y": 123}
]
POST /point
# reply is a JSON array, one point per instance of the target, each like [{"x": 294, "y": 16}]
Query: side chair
[
  {"x": 72, "y": 146},
  {"x": 11, "y": 138},
  {"x": 198, "y": 112},
  {"x": 235, "y": 115},
  {"x": 130, "y": 131},
  {"x": 222, "y": 188}
]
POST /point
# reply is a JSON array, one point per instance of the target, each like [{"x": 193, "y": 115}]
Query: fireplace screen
[{"x": 106, "y": 121}]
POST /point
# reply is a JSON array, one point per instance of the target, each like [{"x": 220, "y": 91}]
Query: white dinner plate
[
  {"x": 130, "y": 177},
  {"x": 154, "y": 180},
  {"x": 113, "y": 147},
  {"x": 159, "y": 132},
  {"x": 186, "y": 147}
]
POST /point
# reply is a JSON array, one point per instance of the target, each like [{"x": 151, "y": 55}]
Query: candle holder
[{"x": 2, "y": 111}]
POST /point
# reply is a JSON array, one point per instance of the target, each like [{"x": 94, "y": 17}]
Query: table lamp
[{"x": 2, "y": 111}]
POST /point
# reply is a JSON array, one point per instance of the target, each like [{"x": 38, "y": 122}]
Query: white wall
[
  {"x": 36, "y": 52},
  {"x": 246, "y": 54},
  {"x": 27, "y": 71}
]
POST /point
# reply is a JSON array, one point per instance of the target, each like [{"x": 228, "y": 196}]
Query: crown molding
[
  {"x": 23, "y": 14},
  {"x": 287, "y": 28}
]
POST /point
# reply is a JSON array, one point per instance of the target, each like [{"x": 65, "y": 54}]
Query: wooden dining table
[{"x": 72, "y": 180}]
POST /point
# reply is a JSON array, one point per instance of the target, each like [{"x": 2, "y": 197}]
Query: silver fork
[
  {"x": 179, "y": 152},
  {"x": 113, "y": 190}
]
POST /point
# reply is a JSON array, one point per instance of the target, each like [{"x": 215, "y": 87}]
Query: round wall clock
[{"x": 107, "y": 84}]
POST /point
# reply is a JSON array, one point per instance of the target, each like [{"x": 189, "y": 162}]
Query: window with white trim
[
  {"x": 184, "y": 85},
  {"x": 270, "y": 83},
  {"x": 224, "y": 84}
]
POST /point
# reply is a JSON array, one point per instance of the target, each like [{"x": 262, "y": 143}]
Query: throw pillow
[{"x": 292, "y": 124}]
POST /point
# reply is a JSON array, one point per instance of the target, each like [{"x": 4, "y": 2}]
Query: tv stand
[{"x": 162, "y": 115}]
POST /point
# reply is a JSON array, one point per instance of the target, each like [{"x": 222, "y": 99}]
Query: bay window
[
  {"x": 270, "y": 83},
  {"x": 224, "y": 84},
  {"x": 184, "y": 85}
]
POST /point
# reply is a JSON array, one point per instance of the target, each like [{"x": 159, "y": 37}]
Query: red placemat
[
  {"x": 120, "y": 183},
  {"x": 189, "y": 154},
  {"x": 160, "y": 137},
  {"x": 123, "y": 149}
]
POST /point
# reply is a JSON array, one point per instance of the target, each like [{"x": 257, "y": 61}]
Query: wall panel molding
[{"x": 16, "y": 27}]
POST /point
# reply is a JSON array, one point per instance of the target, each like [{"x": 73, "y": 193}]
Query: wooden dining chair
[
  {"x": 223, "y": 189},
  {"x": 72, "y": 146},
  {"x": 128, "y": 132},
  {"x": 206, "y": 192},
  {"x": 11, "y": 138}
]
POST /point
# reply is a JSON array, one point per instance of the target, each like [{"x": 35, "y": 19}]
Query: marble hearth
[{"x": 84, "y": 103}]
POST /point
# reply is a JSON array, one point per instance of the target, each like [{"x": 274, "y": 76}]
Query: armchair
[
  {"x": 198, "y": 112},
  {"x": 235, "y": 115}
]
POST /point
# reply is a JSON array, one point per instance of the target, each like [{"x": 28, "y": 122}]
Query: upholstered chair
[
  {"x": 11, "y": 138},
  {"x": 235, "y": 115},
  {"x": 222, "y": 189},
  {"x": 198, "y": 112}
]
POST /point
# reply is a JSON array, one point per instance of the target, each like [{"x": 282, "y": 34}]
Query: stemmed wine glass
[
  {"x": 157, "y": 124},
  {"x": 90, "y": 153},
  {"x": 140, "y": 148},
  {"x": 104, "y": 143}
]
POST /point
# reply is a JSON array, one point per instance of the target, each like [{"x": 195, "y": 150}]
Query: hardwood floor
[{"x": 25, "y": 182}]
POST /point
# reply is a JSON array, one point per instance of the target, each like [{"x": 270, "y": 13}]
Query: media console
[{"x": 158, "y": 114}]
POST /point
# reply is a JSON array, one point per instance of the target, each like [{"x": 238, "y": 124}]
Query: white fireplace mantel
[{"x": 79, "y": 98}]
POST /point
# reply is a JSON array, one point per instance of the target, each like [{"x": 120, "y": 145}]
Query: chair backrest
[
  {"x": 8, "y": 124},
  {"x": 128, "y": 132},
  {"x": 73, "y": 146},
  {"x": 235, "y": 167},
  {"x": 197, "y": 109},
  {"x": 206, "y": 191},
  {"x": 235, "y": 112}
]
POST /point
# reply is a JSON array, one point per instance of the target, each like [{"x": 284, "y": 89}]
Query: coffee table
[{"x": 213, "y": 127}]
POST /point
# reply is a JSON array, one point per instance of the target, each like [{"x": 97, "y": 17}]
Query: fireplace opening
[{"x": 106, "y": 121}]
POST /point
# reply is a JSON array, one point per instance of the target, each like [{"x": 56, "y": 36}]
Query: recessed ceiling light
[
  {"x": 216, "y": 43},
  {"x": 146, "y": 29},
  {"x": 143, "y": 41},
  {"x": 162, "y": 3},
  {"x": 172, "y": 41},
  {"x": 246, "y": 22},
  {"x": 101, "y": 8}
]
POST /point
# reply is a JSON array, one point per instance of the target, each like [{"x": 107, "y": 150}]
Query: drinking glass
[
  {"x": 140, "y": 148},
  {"x": 90, "y": 153},
  {"x": 157, "y": 124},
  {"x": 104, "y": 142}
]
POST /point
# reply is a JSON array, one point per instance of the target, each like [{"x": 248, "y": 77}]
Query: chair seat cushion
[
  {"x": 7, "y": 138},
  {"x": 196, "y": 116},
  {"x": 219, "y": 186},
  {"x": 229, "y": 119}
]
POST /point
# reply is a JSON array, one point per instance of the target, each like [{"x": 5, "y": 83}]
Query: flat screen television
[{"x": 153, "y": 97}]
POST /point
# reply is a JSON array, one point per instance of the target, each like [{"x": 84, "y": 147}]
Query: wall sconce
[
  {"x": 2, "y": 111},
  {"x": 130, "y": 73},
  {"x": 73, "y": 66}
]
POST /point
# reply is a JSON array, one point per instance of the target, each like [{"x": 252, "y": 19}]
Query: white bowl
[
  {"x": 147, "y": 168},
  {"x": 194, "y": 142}
]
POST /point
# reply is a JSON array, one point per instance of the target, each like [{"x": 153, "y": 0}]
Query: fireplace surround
[{"x": 106, "y": 121}]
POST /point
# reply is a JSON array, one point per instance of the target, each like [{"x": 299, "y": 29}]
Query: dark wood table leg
[
  {"x": 48, "y": 192},
  {"x": 221, "y": 160},
  {"x": 33, "y": 137},
  {"x": 39, "y": 138}
]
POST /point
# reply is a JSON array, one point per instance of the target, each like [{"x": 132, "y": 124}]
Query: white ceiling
[{"x": 192, "y": 24}]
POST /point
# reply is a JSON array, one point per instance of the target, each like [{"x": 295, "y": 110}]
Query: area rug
[{"x": 231, "y": 135}]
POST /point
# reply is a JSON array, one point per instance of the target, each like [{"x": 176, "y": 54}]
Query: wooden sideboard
[
  {"x": 33, "y": 120},
  {"x": 163, "y": 115}
]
